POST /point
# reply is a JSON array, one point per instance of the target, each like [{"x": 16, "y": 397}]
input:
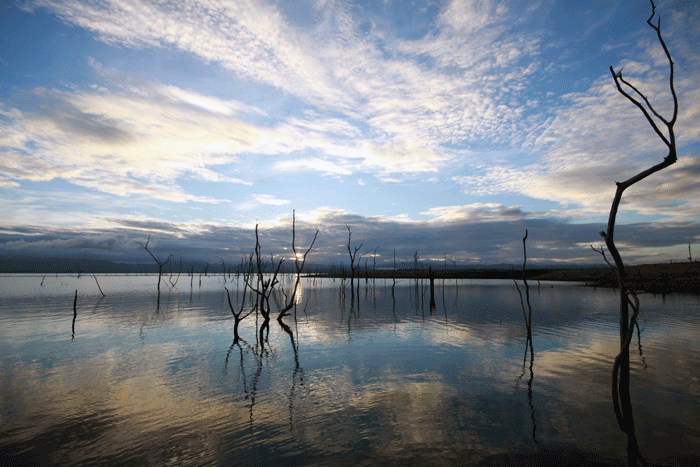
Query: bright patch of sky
[{"x": 384, "y": 114}]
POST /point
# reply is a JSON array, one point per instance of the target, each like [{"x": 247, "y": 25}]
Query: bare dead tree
[
  {"x": 157, "y": 260},
  {"x": 353, "y": 266},
  {"x": 628, "y": 297},
  {"x": 528, "y": 342},
  {"x": 223, "y": 269},
  {"x": 238, "y": 316},
  {"x": 264, "y": 285},
  {"x": 527, "y": 316},
  {"x": 374, "y": 264},
  {"x": 444, "y": 274},
  {"x": 173, "y": 283},
  {"x": 299, "y": 263},
  {"x": 98, "y": 285},
  {"x": 416, "y": 258},
  {"x": 454, "y": 265}
]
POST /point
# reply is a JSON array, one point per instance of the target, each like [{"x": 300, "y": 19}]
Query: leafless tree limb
[
  {"x": 299, "y": 263},
  {"x": 353, "y": 255},
  {"x": 98, "y": 285},
  {"x": 237, "y": 318},
  {"x": 157, "y": 260},
  {"x": 628, "y": 296}
]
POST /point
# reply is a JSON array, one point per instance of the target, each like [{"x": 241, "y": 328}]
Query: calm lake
[{"x": 361, "y": 379}]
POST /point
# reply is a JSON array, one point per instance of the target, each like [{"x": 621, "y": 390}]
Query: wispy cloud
[
  {"x": 122, "y": 142},
  {"x": 271, "y": 200},
  {"x": 312, "y": 163},
  {"x": 401, "y": 156},
  {"x": 596, "y": 138},
  {"x": 477, "y": 100},
  {"x": 335, "y": 64}
]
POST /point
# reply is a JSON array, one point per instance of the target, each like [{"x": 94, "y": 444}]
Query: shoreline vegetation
[{"x": 652, "y": 278}]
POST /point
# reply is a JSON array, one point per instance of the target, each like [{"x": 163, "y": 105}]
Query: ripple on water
[{"x": 376, "y": 379}]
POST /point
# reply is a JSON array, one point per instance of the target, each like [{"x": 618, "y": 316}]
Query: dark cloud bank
[{"x": 485, "y": 242}]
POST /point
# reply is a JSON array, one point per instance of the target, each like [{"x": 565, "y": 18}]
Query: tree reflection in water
[
  {"x": 391, "y": 388},
  {"x": 528, "y": 349},
  {"x": 297, "y": 374},
  {"x": 261, "y": 355},
  {"x": 527, "y": 315}
]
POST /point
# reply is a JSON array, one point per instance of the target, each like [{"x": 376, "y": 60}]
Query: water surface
[{"x": 360, "y": 378}]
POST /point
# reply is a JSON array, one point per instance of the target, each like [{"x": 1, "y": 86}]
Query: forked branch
[
  {"x": 299, "y": 263},
  {"x": 646, "y": 108},
  {"x": 157, "y": 260},
  {"x": 669, "y": 141}
]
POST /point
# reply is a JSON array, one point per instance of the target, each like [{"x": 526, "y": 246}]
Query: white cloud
[
  {"x": 471, "y": 16},
  {"x": 127, "y": 187},
  {"x": 252, "y": 38},
  {"x": 211, "y": 104},
  {"x": 335, "y": 64},
  {"x": 312, "y": 163},
  {"x": 128, "y": 142},
  {"x": 271, "y": 200},
  {"x": 401, "y": 156},
  {"x": 357, "y": 98},
  {"x": 597, "y": 137}
]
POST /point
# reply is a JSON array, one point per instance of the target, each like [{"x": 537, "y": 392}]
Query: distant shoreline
[{"x": 653, "y": 278}]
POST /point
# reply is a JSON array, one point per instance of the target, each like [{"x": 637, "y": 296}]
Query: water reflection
[
  {"x": 369, "y": 381},
  {"x": 75, "y": 314},
  {"x": 297, "y": 374},
  {"x": 527, "y": 315},
  {"x": 259, "y": 353},
  {"x": 621, "y": 397}
]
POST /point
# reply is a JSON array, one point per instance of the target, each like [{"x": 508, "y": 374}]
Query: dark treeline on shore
[
  {"x": 509, "y": 271},
  {"x": 404, "y": 269},
  {"x": 28, "y": 264},
  {"x": 660, "y": 277},
  {"x": 652, "y": 278}
]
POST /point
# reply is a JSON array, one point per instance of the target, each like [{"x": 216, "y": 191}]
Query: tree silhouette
[
  {"x": 353, "y": 266},
  {"x": 158, "y": 262},
  {"x": 628, "y": 297},
  {"x": 299, "y": 263}
]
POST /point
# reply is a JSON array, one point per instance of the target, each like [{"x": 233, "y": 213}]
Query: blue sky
[{"x": 446, "y": 127}]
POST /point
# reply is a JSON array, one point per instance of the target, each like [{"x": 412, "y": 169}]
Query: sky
[{"x": 442, "y": 128}]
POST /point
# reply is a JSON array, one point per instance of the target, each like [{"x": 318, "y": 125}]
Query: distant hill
[{"x": 58, "y": 265}]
